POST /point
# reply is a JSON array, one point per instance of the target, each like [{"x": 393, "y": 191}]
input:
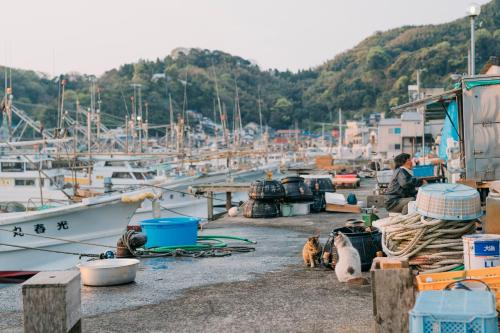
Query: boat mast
[
  {"x": 222, "y": 112},
  {"x": 215, "y": 127},
  {"x": 340, "y": 134},
  {"x": 260, "y": 110},
  {"x": 172, "y": 125}
]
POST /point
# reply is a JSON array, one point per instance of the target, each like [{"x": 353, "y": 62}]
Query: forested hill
[{"x": 372, "y": 76}]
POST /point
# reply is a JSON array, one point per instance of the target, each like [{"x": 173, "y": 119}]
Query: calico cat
[
  {"x": 311, "y": 251},
  {"x": 348, "y": 266}
]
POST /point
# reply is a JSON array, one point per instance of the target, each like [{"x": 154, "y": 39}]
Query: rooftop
[
  {"x": 389, "y": 122},
  {"x": 411, "y": 116}
]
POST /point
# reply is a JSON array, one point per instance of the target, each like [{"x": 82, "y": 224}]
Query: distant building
[
  {"x": 374, "y": 118},
  {"x": 424, "y": 92},
  {"x": 356, "y": 133},
  {"x": 492, "y": 67},
  {"x": 411, "y": 132},
  {"x": 389, "y": 137},
  {"x": 286, "y": 136},
  {"x": 405, "y": 135}
]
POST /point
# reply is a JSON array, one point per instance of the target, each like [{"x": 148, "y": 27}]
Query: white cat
[{"x": 349, "y": 265}]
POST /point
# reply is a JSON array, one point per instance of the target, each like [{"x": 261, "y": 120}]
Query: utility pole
[
  {"x": 146, "y": 124},
  {"x": 473, "y": 11}
]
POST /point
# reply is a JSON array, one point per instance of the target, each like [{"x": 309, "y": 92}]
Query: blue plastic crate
[
  {"x": 455, "y": 311},
  {"x": 423, "y": 170}
]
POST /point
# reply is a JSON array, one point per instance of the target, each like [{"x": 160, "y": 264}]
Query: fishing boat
[
  {"x": 54, "y": 238},
  {"x": 27, "y": 179}
]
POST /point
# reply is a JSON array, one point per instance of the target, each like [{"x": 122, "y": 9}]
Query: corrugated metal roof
[{"x": 425, "y": 101}]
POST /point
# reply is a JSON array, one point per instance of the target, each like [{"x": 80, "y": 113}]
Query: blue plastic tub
[
  {"x": 170, "y": 231},
  {"x": 454, "y": 311},
  {"x": 423, "y": 170}
]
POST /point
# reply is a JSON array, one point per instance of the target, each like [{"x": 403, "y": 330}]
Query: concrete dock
[{"x": 268, "y": 290}]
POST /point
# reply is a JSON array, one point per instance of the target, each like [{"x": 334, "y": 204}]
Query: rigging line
[
  {"x": 90, "y": 255},
  {"x": 179, "y": 191},
  {"x": 59, "y": 239},
  {"x": 181, "y": 214}
]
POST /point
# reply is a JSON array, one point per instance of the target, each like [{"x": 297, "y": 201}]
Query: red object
[
  {"x": 15, "y": 276},
  {"x": 280, "y": 141},
  {"x": 349, "y": 175},
  {"x": 134, "y": 227}
]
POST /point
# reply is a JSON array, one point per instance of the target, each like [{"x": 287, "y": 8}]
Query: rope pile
[{"x": 430, "y": 245}]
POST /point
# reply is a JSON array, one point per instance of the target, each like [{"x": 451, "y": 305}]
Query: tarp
[
  {"x": 471, "y": 84},
  {"x": 449, "y": 130}
]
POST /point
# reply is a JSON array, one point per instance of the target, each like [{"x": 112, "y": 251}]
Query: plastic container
[
  {"x": 481, "y": 251},
  {"x": 454, "y": 202},
  {"x": 438, "y": 281},
  {"x": 286, "y": 209},
  {"x": 170, "y": 231},
  {"x": 367, "y": 243},
  {"x": 302, "y": 208},
  {"x": 453, "y": 312},
  {"x": 423, "y": 170},
  {"x": 490, "y": 225}
]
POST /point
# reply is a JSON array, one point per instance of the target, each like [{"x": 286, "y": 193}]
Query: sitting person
[{"x": 403, "y": 186}]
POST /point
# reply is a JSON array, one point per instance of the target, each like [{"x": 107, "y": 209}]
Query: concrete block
[
  {"x": 52, "y": 302},
  {"x": 393, "y": 297}
]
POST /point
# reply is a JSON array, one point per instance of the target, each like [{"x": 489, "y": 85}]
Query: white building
[
  {"x": 389, "y": 137},
  {"x": 356, "y": 134},
  {"x": 404, "y": 135}
]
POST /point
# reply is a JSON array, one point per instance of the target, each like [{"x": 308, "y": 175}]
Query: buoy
[{"x": 233, "y": 211}]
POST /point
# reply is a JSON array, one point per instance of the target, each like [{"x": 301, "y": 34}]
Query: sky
[{"x": 92, "y": 36}]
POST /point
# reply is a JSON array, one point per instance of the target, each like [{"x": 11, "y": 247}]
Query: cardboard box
[{"x": 343, "y": 208}]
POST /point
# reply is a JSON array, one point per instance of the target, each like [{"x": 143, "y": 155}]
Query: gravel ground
[{"x": 266, "y": 291}]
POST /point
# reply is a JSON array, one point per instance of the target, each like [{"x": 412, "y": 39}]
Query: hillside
[
  {"x": 375, "y": 74},
  {"x": 372, "y": 76}
]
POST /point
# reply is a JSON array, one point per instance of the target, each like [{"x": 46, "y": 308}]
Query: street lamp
[{"x": 472, "y": 11}]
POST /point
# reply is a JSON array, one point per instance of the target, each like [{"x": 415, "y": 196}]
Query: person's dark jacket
[{"x": 402, "y": 185}]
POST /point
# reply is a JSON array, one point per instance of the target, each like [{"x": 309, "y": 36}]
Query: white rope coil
[{"x": 430, "y": 245}]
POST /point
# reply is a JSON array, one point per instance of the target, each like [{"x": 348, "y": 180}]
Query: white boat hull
[{"x": 98, "y": 222}]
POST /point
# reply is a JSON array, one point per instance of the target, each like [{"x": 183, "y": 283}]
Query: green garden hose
[{"x": 204, "y": 243}]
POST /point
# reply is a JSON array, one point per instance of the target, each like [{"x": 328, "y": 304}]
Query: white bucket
[
  {"x": 481, "y": 251},
  {"x": 299, "y": 209}
]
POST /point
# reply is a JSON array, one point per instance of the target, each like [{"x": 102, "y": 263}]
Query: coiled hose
[{"x": 206, "y": 246}]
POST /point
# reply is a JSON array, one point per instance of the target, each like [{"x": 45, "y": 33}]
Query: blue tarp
[{"x": 449, "y": 129}]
